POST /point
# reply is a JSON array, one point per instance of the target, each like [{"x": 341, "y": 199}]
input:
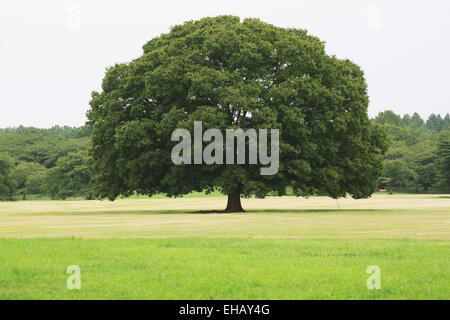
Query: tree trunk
[
  {"x": 24, "y": 195},
  {"x": 234, "y": 201}
]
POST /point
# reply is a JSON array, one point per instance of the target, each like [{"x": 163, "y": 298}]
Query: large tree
[{"x": 245, "y": 74}]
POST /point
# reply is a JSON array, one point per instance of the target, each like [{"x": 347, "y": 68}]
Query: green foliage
[
  {"x": 389, "y": 117},
  {"x": 396, "y": 173},
  {"x": 424, "y": 162},
  {"x": 415, "y": 161},
  {"x": 230, "y": 73},
  {"x": 416, "y": 120},
  {"x": 71, "y": 177},
  {"x": 29, "y": 178},
  {"x": 43, "y": 146},
  {"x": 435, "y": 123},
  {"x": 444, "y": 165},
  {"x": 35, "y": 150},
  {"x": 6, "y": 184}
]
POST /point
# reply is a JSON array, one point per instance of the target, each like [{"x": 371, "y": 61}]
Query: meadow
[{"x": 280, "y": 248}]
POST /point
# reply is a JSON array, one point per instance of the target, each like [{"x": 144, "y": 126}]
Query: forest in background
[{"x": 55, "y": 162}]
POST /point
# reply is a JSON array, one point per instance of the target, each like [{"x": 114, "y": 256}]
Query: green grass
[
  {"x": 195, "y": 268},
  {"x": 281, "y": 248}
]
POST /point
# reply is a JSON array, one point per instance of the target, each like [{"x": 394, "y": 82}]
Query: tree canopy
[
  {"x": 43, "y": 146},
  {"x": 71, "y": 177},
  {"x": 417, "y": 159},
  {"x": 33, "y": 151},
  {"x": 28, "y": 178},
  {"x": 6, "y": 184},
  {"x": 444, "y": 154},
  {"x": 230, "y": 73}
]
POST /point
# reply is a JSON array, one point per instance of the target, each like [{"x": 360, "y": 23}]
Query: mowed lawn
[{"x": 281, "y": 248}]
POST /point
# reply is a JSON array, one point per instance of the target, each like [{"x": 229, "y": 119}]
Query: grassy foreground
[
  {"x": 160, "y": 249},
  {"x": 223, "y": 268}
]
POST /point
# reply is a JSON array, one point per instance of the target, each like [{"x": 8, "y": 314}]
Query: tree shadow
[
  {"x": 204, "y": 212},
  {"x": 315, "y": 210}
]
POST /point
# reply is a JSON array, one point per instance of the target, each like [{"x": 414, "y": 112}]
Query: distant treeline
[
  {"x": 418, "y": 159},
  {"x": 55, "y": 161},
  {"x": 51, "y": 161}
]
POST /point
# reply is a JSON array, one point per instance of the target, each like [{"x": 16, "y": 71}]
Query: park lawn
[
  {"x": 281, "y": 248},
  {"x": 196, "y": 268}
]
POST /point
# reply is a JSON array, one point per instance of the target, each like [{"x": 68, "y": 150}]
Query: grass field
[{"x": 281, "y": 248}]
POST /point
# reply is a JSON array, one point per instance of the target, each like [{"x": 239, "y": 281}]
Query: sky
[{"x": 54, "y": 53}]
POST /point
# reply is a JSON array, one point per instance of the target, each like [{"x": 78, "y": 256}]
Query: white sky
[{"x": 54, "y": 53}]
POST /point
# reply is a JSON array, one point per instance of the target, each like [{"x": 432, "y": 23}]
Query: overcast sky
[{"x": 54, "y": 53}]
